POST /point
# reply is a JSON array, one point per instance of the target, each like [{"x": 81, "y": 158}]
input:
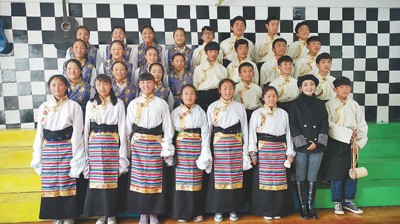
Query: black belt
[
  {"x": 149, "y": 131},
  {"x": 234, "y": 129},
  {"x": 103, "y": 127},
  {"x": 60, "y": 135},
  {"x": 270, "y": 138},
  {"x": 192, "y": 130}
]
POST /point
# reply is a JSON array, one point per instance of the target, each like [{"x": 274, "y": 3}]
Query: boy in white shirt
[
  {"x": 325, "y": 89},
  {"x": 263, "y": 48},
  {"x": 241, "y": 49},
  {"x": 199, "y": 54},
  {"x": 269, "y": 70},
  {"x": 307, "y": 64},
  {"x": 298, "y": 49}
]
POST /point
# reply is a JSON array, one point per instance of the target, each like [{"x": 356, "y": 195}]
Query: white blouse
[
  {"x": 269, "y": 71},
  {"x": 55, "y": 116},
  {"x": 208, "y": 75},
  {"x": 325, "y": 89},
  {"x": 276, "y": 124},
  {"x": 297, "y": 50},
  {"x": 233, "y": 70},
  {"x": 248, "y": 95},
  {"x": 199, "y": 56},
  {"x": 287, "y": 90},
  {"x": 195, "y": 118},
  {"x": 110, "y": 115},
  {"x": 263, "y": 48},
  {"x": 305, "y": 65},
  {"x": 228, "y": 48}
]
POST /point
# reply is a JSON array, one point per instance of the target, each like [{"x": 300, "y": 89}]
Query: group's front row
[{"x": 152, "y": 162}]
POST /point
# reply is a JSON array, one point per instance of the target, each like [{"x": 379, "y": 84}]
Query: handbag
[{"x": 356, "y": 172}]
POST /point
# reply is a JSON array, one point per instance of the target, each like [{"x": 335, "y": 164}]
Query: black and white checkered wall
[{"x": 365, "y": 44}]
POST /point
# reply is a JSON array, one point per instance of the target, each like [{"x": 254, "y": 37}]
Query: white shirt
[
  {"x": 233, "y": 70},
  {"x": 152, "y": 113},
  {"x": 325, "y": 89},
  {"x": 263, "y": 48},
  {"x": 67, "y": 114},
  {"x": 342, "y": 118},
  {"x": 306, "y": 65},
  {"x": 234, "y": 114},
  {"x": 297, "y": 50},
  {"x": 269, "y": 71},
  {"x": 199, "y": 56},
  {"x": 228, "y": 48},
  {"x": 276, "y": 124},
  {"x": 110, "y": 115},
  {"x": 208, "y": 75},
  {"x": 248, "y": 95},
  {"x": 287, "y": 90},
  {"x": 195, "y": 118}
]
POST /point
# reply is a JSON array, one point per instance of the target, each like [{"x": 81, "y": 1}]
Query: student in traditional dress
[
  {"x": 263, "y": 48},
  {"x": 270, "y": 146},
  {"x": 80, "y": 51},
  {"x": 269, "y": 70},
  {"x": 117, "y": 54},
  {"x": 150, "y": 131},
  {"x": 58, "y": 153},
  {"x": 94, "y": 56},
  {"x": 238, "y": 26},
  {"x": 199, "y": 54},
  {"x": 307, "y": 64},
  {"x": 178, "y": 77},
  {"x": 298, "y": 49},
  {"x": 193, "y": 156},
  {"x": 117, "y": 33},
  {"x": 285, "y": 84},
  {"x": 161, "y": 90},
  {"x": 123, "y": 88},
  {"x": 148, "y": 35},
  {"x": 228, "y": 122},
  {"x": 241, "y": 49},
  {"x": 207, "y": 76},
  {"x": 105, "y": 144},
  {"x": 346, "y": 124},
  {"x": 179, "y": 36},
  {"x": 325, "y": 90},
  {"x": 308, "y": 122},
  {"x": 151, "y": 56}
]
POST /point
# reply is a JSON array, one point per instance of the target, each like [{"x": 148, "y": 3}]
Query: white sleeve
[
  {"x": 123, "y": 150},
  {"x": 245, "y": 131},
  {"x": 36, "y": 162},
  {"x": 289, "y": 143},
  {"x": 257, "y": 50},
  {"x": 168, "y": 148},
  {"x": 254, "y": 120},
  {"x": 78, "y": 160},
  {"x": 338, "y": 132},
  {"x": 101, "y": 69},
  {"x": 256, "y": 75},
  {"x": 204, "y": 162},
  {"x": 67, "y": 54},
  {"x": 93, "y": 77},
  {"x": 86, "y": 135},
  {"x": 129, "y": 119}
]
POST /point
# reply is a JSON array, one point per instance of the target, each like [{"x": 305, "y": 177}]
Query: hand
[
  {"x": 354, "y": 134},
  {"x": 356, "y": 149},
  {"x": 290, "y": 158},
  {"x": 312, "y": 146},
  {"x": 254, "y": 162}
]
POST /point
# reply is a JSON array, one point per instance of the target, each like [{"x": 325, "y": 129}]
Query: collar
[
  {"x": 302, "y": 42},
  {"x": 148, "y": 98},
  {"x": 247, "y": 86},
  {"x": 180, "y": 49},
  {"x": 287, "y": 79},
  {"x": 312, "y": 57},
  {"x": 76, "y": 84},
  {"x": 105, "y": 101},
  {"x": 271, "y": 37},
  {"x": 59, "y": 102},
  {"x": 342, "y": 101},
  {"x": 225, "y": 102},
  {"x": 121, "y": 83},
  {"x": 270, "y": 111}
]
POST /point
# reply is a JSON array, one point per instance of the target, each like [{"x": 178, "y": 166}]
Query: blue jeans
[
  {"x": 344, "y": 189},
  {"x": 307, "y": 165}
]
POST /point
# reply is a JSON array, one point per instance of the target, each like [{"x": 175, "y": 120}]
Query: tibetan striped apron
[
  {"x": 188, "y": 148},
  {"x": 271, "y": 156},
  {"x": 228, "y": 157},
  {"x": 56, "y": 158},
  {"x": 147, "y": 164},
  {"x": 103, "y": 156}
]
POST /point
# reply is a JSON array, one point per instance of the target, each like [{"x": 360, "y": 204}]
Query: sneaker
[
  {"x": 198, "y": 218},
  {"x": 101, "y": 220},
  {"x": 57, "y": 221},
  {"x": 338, "y": 208},
  {"x": 349, "y": 205},
  {"x": 154, "y": 219},
  {"x": 144, "y": 219},
  {"x": 68, "y": 221},
  {"x": 111, "y": 220},
  {"x": 218, "y": 217},
  {"x": 268, "y": 218},
  {"x": 182, "y": 220},
  {"x": 277, "y": 217},
  {"x": 233, "y": 216}
]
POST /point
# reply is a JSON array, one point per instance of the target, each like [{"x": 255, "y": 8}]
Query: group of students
[{"x": 177, "y": 133}]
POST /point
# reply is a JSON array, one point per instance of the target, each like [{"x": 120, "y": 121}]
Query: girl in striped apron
[
  {"x": 150, "y": 131},
  {"x": 178, "y": 77},
  {"x": 193, "y": 156},
  {"x": 58, "y": 153},
  {"x": 270, "y": 145},
  {"x": 228, "y": 122},
  {"x": 105, "y": 144},
  {"x": 123, "y": 88}
]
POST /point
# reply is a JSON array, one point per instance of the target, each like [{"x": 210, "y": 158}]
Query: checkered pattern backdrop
[{"x": 365, "y": 44}]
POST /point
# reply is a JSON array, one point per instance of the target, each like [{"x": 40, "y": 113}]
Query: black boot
[
  {"x": 301, "y": 191},
  {"x": 312, "y": 190}
]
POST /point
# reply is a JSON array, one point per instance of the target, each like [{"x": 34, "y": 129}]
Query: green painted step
[
  {"x": 388, "y": 131},
  {"x": 381, "y": 168},
  {"x": 376, "y": 148}
]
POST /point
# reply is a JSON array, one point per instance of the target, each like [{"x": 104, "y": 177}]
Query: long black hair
[{"x": 106, "y": 79}]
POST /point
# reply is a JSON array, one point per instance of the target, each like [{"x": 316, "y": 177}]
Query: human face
[
  {"x": 343, "y": 91},
  {"x": 272, "y": 27},
  {"x": 179, "y": 38},
  {"x": 207, "y": 36},
  {"x": 314, "y": 47},
  {"x": 247, "y": 74},
  {"x": 303, "y": 32},
  {"x": 286, "y": 68},
  {"x": 227, "y": 90},
  {"x": 79, "y": 49},
  {"x": 147, "y": 87},
  {"x": 188, "y": 96},
  {"x": 118, "y": 34},
  {"x": 73, "y": 71},
  {"x": 156, "y": 71},
  {"x": 324, "y": 66},
  {"x": 119, "y": 72},
  {"x": 279, "y": 49},
  {"x": 151, "y": 56},
  {"x": 58, "y": 88},
  {"x": 212, "y": 55},
  {"x": 242, "y": 51},
  {"x": 308, "y": 87},
  {"x": 117, "y": 51},
  {"x": 270, "y": 98},
  {"x": 82, "y": 34},
  {"x": 103, "y": 88},
  {"x": 148, "y": 36},
  {"x": 178, "y": 63},
  {"x": 238, "y": 28}
]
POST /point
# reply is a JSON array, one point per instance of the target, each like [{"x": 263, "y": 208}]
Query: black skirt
[
  {"x": 59, "y": 207},
  {"x": 100, "y": 202},
  {"x": 336, "y": 161},
  {"x": 205, "y": 98}
]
